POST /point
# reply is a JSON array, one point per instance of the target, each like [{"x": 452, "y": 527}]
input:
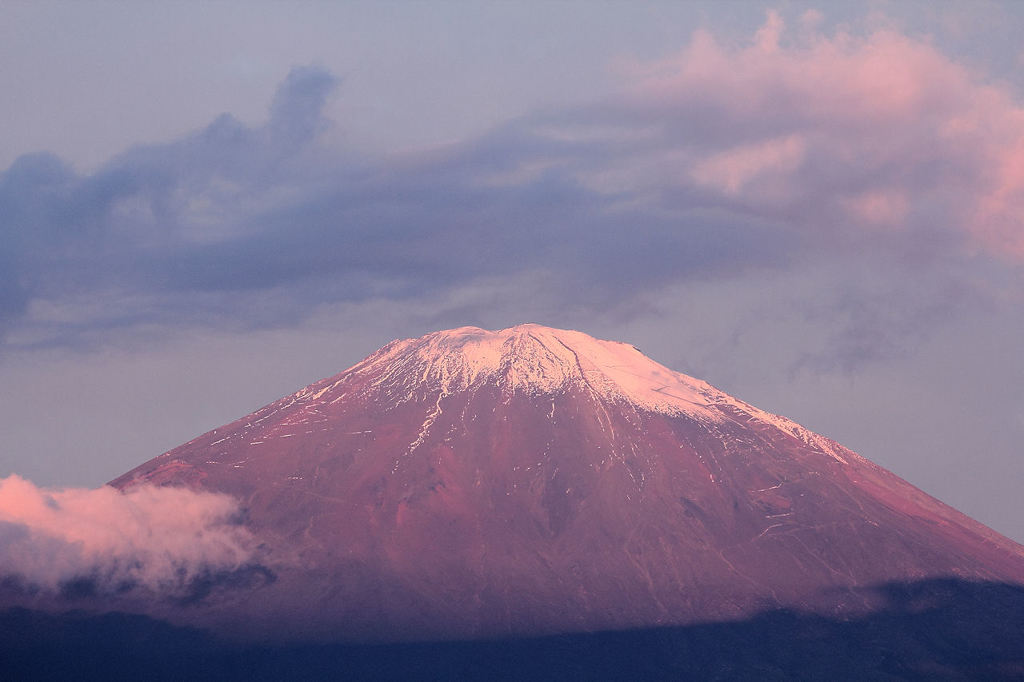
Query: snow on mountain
[{"x": 534, "y": 359}]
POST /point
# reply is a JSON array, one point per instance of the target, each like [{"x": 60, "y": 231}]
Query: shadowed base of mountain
[{"x": 933, "y": 629}]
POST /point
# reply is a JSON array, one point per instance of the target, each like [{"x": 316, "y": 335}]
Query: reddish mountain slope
[{"x": 534, "y": 480}]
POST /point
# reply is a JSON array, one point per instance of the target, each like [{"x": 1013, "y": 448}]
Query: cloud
[
  {"x": 732, "y": 171},
  {"x": 720, "y": 161},
  {"x": 162, "y": 540},
  {"x": 835, "y": 132},
  {"x": 296, "y": 114}
]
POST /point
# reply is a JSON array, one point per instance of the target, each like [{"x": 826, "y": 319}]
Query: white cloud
[{"x": 157, "y": 538}]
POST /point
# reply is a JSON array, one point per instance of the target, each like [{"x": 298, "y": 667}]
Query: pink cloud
[
  {"x": 767, "y": 37},
  {"x": 732, "y": 171},
  {"x": 811, "y": 19},
  {"x": 880, "y": 207},
  {"x": 836, "y": 132},
  {"x": 1000, "y": 212},
  {"x": 156, "y": 538}
]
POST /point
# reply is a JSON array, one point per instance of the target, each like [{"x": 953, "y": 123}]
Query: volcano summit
[{"x": 472, "y": 483}]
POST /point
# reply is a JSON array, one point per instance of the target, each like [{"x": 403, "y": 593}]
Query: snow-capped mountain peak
[{"x": 534, "y": 358}]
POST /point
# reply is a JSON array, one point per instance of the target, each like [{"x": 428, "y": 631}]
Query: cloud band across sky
[{"x": 720, "y": 160}]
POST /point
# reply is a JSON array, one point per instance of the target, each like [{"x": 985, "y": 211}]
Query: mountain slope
[{"x": 532, "y": 480}]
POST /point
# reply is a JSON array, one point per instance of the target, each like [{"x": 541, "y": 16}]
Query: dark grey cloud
[
  {"x": 239, "y": 225},
  {"x": 296, "y": 112}
]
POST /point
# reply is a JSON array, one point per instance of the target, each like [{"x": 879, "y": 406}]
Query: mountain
[{"x": 534, "y": 481}]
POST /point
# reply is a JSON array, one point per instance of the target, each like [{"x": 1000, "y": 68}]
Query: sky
[{"x": 816, "y": 207}]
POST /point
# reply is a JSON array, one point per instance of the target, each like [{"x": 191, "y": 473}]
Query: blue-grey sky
[{"x": 815, "y": 206}]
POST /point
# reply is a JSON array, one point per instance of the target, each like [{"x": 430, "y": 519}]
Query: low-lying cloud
[{"x": 158, "y": 539}]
